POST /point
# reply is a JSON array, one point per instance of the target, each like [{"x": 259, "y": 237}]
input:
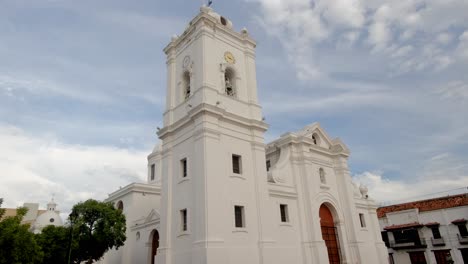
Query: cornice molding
[{"x": 134, "y": 188}]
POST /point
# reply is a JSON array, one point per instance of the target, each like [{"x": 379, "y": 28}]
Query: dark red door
[{"x": 329, "y": 234}]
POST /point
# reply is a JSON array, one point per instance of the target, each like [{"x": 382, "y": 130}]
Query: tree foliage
[
  {"x": 54, "y": 241},
  {"x": 97, "y": 227},
  {"x": 17, "y": 244}
]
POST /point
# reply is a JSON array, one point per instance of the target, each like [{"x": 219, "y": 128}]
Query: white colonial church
[{"x": 217, "y": 194}]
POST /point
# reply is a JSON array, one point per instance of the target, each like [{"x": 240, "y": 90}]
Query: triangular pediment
[
  {"x": 152, "y": 216},
  {"x": 323, "y": 139},
  {"x": 317, "y": 134}
]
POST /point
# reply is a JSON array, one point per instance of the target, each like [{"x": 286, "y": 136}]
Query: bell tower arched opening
[
  {"x": 329, "y": 234},
  {"x": 186, "y": 84},
  {"x": 229, "y": 79}
]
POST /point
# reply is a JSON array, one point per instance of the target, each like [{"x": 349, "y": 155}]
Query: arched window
[
  {"x": 315, "y": 139},
  {"x": 229, "y": 79},
  {"x": 186, "y": 84},
  {"x": 154, "y": 240},
  {"x": 120, "y": 205},
  {"x": 322, "y": 176}
]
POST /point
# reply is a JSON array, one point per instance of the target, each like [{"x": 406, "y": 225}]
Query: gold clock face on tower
[{"x": 229, "y": 57}]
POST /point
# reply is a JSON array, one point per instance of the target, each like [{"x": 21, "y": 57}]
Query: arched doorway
[
  {"x": 154, "y": 239},
  {"x": 329, "y": 234}
]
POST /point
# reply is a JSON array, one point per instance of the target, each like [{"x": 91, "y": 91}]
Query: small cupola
[{"x": 51, "y": 205}]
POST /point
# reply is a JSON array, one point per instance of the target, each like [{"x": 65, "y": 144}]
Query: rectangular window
[
  {"x": 284, "y": 213},
  {"x": 268, "y": 165},
  {"x": 363, "y": 220},
  {"x": 239, "y": 216},
  {"x": 435, "y": 232},
  {"x": 236, "y": 164},
  {"x": 183, "y": 167},
  {"x": 462, "y": 229},
  {"x": 183, "y": 219},
  {"x": 152, "y": 171}
]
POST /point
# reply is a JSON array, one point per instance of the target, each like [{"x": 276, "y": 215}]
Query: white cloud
[
  {"x": 390, "y": 28},
  {"x": 444, "y": 38},
  {"x": 385, "y": 190},
  {"x": 34, "y": 168}
]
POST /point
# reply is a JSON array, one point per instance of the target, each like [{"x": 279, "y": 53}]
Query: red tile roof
[
  {"x": 426, "y": 205},
  {"x": 432, "y": 224},
  {"x": 403, "y": 226}
]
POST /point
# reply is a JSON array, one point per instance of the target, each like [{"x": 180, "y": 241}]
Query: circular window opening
[
  {"x": 223, "y": 21},
  {"x": 51, "y": 220}
]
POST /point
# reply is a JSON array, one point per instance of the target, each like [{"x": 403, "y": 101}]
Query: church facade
[{"x": 216, "y": 193}]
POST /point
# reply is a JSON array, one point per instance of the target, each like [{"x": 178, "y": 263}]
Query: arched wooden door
[
  {"x": 329, "y": 234},
  {"x": 154, "y": 244}
]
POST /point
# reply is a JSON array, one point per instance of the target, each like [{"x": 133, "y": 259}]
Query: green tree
[
  {"x": 97, "y": 227},
  {"x": 17, "y": 244},
  {"x": 54, "y": 241}
]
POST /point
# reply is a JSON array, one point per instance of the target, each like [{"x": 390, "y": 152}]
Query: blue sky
[{"x": 82, "y": 87}]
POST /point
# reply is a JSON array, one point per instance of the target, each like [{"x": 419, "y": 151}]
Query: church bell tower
[{"x": 214, "y": 182}]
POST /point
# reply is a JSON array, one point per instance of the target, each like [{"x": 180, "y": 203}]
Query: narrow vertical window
[
  {"x": 183, "y": 220},
  {"x": 186, "y": 84},
  {"x": 322, "y": 176},
  {"x": 463, "y": 230},
  {"x": 236, "y": 164},
  {"x": 183, "y": 167},
  {"x": 239, "y": 216},
  {"x": 363, "y": 220},
  {"x": 436, "y": 232},
  {"x": 152, "y": 171},
  {"x": 284, "y": 213},
  {"x": 268, "y": 165}
]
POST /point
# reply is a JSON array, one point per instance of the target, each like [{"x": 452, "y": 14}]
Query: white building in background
[
  {"x": 216, "y": 193},
  {"x": 38, "y": 218},
  {"x": 430, "y": 231}
]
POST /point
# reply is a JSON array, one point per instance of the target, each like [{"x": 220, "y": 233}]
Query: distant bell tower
[{"x": 214, "y": 182}]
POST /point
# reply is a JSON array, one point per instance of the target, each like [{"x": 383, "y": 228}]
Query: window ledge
[
  {"x": 181, "y": 180},
  {"x": 324, "y": 186},
  {"x": 240, "y": 230},
  {"x": 239, "y": 176},
  {"x": 286, "y": 224},
  {"x": 183, "y": 233}
]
